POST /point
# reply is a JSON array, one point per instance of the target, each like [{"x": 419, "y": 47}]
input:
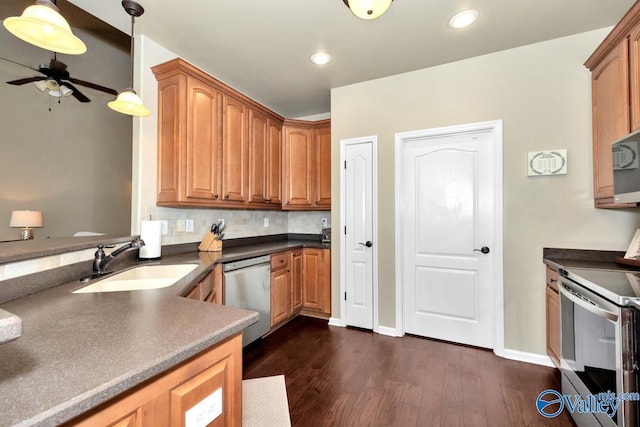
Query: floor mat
[{"x": 264, "y": 402}]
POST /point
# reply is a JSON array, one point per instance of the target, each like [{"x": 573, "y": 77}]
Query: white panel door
[
  {"x": 359, "y": 234},
  {"x": 447, "y": 217}
]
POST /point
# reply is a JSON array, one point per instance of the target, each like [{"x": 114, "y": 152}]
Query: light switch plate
[
  {"x": 188, "y": 225},
  {"x": 266, "y": 222},
  {"x": 552, "y": 162}
]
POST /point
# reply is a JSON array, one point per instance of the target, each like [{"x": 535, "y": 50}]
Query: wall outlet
[
  {"x": 324, "y": 222},
  {"x": 188, "y": 225},
  {"x": 180, "y": 225},
  {"x": 165, "y": 227},
  {"x": 266, "y": 222}
]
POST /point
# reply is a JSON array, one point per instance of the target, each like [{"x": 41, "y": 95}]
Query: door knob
[
  {"x": 368, "y": 244},
  {"x": 484, "y": 250}
]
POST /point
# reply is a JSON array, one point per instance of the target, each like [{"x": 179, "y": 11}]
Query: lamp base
[{"x": 26, "y": 234}]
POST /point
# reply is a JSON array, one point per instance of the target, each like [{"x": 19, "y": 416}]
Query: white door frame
[
  {"x": 498, "y": 287},
  {"x": 339, "y": 233}
]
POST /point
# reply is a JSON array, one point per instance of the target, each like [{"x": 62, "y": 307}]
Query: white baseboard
[
  {"x": 385, "y": 330},
  {"x": 334, "y": 321},
  {"x": 534, "y": 358}
]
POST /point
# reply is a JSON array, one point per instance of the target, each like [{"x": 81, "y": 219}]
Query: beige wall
[
  {"x": 542, "y": 94},
  {"x": 73, "y": 162}
]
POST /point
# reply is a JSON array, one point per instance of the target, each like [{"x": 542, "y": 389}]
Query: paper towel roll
[{"x": 151, "y": 233}]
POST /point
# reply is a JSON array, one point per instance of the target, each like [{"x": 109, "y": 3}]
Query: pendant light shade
[
  {"x": 42, "y": 25},
  {"x": 128, "y": 101},
  {"x": 368, "y": 9}
]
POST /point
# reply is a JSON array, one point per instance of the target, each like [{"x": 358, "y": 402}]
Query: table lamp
[{"x": 26, "y": 221}]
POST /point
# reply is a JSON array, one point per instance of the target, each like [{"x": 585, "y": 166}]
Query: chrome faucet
[{"x": 101, "y": 260}]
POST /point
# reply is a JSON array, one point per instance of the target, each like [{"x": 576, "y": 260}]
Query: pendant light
[
  {"x": 128, "y": 101},
  {"x": 368, "y": 9},
  {"x": 42, "y": 25}
]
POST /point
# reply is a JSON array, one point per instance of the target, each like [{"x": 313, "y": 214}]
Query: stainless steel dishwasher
[{"x": 247, "y": 284}]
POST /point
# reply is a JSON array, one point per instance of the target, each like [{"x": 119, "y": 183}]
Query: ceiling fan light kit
[
  {"x": 42, "y": 25},
  {"x": 368, "y": 9},
  {"x": 128, "y": 101}
]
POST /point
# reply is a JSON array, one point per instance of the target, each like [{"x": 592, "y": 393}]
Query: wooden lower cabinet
[
  {"x": 296, "y": 280},
  {"x": 316, "y": 280},
  {"x": 208, "y": 386},
  {"x": 553, "y": 316},
  {"x": 280, "y": 295},
  {"x": 208, "y": 289}
]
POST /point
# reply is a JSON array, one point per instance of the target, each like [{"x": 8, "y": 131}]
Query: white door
[
  {"x": 358, "y": 195},
  {"x": 447, "y": 225}
]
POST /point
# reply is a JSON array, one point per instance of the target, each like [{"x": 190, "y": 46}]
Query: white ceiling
[{"x": 262, "y": 48}]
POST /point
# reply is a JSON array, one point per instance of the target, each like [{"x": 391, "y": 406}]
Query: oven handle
[{"x": 601, "y": 312}]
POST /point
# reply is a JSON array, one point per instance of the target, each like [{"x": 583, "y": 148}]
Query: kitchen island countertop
[{"x": 80, "y": 350}]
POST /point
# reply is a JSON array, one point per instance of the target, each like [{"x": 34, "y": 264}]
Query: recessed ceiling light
[
  {"x": 463, "y": 19},
  {"x": 320, "y": 58}
]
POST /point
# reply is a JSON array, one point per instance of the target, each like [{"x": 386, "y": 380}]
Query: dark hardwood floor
[{"x": 347, "y": 377}]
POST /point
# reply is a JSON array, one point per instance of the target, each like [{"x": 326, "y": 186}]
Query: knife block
[{"x": 210, "y": 243}]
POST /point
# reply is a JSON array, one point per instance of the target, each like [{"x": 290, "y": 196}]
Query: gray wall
[
  {"x": 542, "y": 94},
  {"x": 73, "y": 162}
]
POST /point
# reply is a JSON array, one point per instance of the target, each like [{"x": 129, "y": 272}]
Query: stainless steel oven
[{"x": 599, "y": 348}]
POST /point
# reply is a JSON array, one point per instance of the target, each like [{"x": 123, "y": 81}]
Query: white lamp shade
[
  {"x": 26, "y": 219},
  {"x": 42, "y": 26},
  {"x": 369, "y": 9},
  {"x": 128, "y": 102}
]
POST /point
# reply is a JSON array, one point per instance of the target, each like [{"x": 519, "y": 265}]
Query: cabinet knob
[
  {"x": 215, "y": 197},
  {"x": 553, "y": 280},
  {"x": 226, "y": 196},
  {"x": 267, "y": 201}
]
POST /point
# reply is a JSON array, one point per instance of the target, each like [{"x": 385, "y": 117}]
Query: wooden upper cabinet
[
  {"x": 235, "y": 149},
  {"x": 202, "y": 149},
  {"x": 323, "y": 165},
  {"x": 610, "y": 97},
  {"x": 265, "y": 171},
  {"x": 274, "y": 163},
  {"x": 307, "y": 165},
  {"x": 298, "y": 158},
  {"x": 615, "y": 91}
]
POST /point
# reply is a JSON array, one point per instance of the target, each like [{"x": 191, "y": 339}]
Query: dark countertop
[
  {"x": 583, "y": 258},
  {"x": 80, "y": 350}
]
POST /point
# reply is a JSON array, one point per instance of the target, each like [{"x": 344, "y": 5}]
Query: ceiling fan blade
[
  {"x": 94, "y": 86},
  {"x": 25, "y": 81},
  {"x": 76, "y": 93}
]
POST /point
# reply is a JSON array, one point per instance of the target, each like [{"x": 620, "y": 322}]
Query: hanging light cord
[{"x": 133, "y": 19}]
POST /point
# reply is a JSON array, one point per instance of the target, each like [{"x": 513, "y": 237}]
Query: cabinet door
[
  {"x": 316, "y": 280},
  {"x": 258, "y": 143},
  {"x": 298, "y": 167},
  {"x": 323, "y": 167},
  {"x": 235, "y": 158},
  {"x": 610, "y": 97},
  {"x": 553, "y": 325},
  {"x": 280, "y": 305},
  {"x": 274, "y": 163},
  {"x": 296, "y": 281},
  {"x": 171, "y": 94},
  {"x": 202, "y": 149},
  {"x": 634, "y": 77}
]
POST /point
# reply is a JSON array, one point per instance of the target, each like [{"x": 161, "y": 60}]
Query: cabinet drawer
[
  {"x": 279, "y": 261},
  {"x": 552, "y": 278}
]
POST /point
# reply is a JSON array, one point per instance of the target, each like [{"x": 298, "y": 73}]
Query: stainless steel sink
[{"x": 139, "y": 278}]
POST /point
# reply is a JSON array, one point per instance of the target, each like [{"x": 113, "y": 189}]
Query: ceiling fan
[{"x": 56, "y": 81}]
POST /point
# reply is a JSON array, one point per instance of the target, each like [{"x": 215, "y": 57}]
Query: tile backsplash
[{"x": 239, "y": 223}]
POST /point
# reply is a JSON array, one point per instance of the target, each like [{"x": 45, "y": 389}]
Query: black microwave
[{"x": 626, "y": 169}]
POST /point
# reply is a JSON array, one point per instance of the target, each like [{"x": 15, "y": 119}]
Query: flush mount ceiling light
[
  {"x": 463, "y": 19},
  {"x": 368, "y": 9},
  {"x": 42, "y": 25},
  {"x": 320, "y": 58},
  {"x": 128, "y": 101}
]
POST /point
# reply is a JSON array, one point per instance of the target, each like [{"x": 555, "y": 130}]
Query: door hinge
[
  {"x": 345, "y": 164},
  {"x": 345, "y": 296},
  {"x": 345, "y": 229}
]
